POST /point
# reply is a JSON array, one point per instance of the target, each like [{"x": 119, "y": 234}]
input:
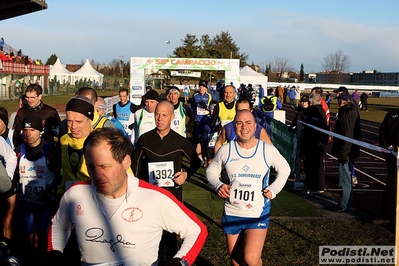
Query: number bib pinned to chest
[{"x": 161, "y": 174}]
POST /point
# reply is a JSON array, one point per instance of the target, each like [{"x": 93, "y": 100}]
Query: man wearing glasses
[{"x": 33, "y": 95}]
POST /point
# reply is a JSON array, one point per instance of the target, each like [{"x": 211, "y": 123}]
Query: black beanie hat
[
  {"x": 82, "y": 105},
  {"x": 32, "y": 121},
  {"x": 4, "y": 117}
]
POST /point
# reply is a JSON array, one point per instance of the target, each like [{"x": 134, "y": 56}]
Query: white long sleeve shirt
[
  {"x": 132, "y": 235},
  {"x": 9, "y": 157}
]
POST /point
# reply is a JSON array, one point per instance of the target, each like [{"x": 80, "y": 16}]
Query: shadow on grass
[
  {"x": 202, "y": 214},
  {"x": 202, "y": 183},
  {"x": 310, "y": 241},
  {"x": 202, "y": 261}
]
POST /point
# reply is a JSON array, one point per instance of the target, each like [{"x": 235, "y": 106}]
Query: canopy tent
[
  {"x": 248, "y": 75},
  {"x": 59, "y": 72},
  {"x": 87, "y": 72}
]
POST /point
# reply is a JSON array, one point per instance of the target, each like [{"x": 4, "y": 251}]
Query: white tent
[
  {"x": 58, "y": 70},
  {"x": 87, "y": 72},
  {"x": 248, "y": 75}
]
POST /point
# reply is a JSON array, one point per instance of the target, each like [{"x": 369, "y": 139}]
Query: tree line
[{"x": 223, "y": 46}]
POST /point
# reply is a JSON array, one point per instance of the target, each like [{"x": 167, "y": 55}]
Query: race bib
[
  {"x": 161, "y": 174},
  {"x": 213, "y": 137},
  {"x": 176, "y": 124},
  {"x": 202, "y": 111},
  {"x": 246, "y": 197},
  {"x": 32, "y": 187}
]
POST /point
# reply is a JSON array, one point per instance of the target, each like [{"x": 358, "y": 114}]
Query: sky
[{"x": 303, "y": 32}]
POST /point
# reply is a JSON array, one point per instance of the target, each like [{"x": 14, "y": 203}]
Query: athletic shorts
[
  {"x": 233, "y": 225},
  {"x": 34, "y": 217},
  {"x": 12, "y": 191}
]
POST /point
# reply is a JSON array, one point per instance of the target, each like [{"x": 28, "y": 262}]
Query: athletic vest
[
  {"x": 226, "y": 115},
  {"x": 179, "y": 122},
  {"x": 145, "y": 122},
  {"x": 248, "y": 174},
  {"x": 34, "y": 176},
  {"x": 73, "y": 162},
  {"x": 123, "y": 115}
]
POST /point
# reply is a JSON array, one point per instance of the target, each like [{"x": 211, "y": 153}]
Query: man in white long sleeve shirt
[
  {"x": 118, "y": 218},
  {"x": 8, "y": 187},
  {"x": 247, "y": 192}
]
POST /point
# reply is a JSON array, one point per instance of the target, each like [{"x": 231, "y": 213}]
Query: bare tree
[
  {"x": 281, "y": 64},
  {"x": 337, "y": 62}
]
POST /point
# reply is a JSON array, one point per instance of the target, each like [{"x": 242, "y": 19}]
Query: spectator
[
  {"x": 291, "y": 95},
  {"x": 261, "y": 92},
  {"x": 357, "y": 136},
  {"x": 388, "y": 138},
  {"x": 281, "y": 94},
  {"x": 326, "y": 109},
  {"x": 297, "y": 96},
  {"x": 119, "y": 219},
  {"x": 297, "y": 128},
  {"x": 363, "y": 99},
  {"x": 1, "y": 44},
  {"x": 313, "y": 145},
  {"x": 348, "y": 125},
  {"x": 270, "y": 106},
  {"x": 355, "y": 97},
  {"x": 328, "y": 99}
]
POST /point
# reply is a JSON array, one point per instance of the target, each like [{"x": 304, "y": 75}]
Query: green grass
[{"x": 378, "y": 107}]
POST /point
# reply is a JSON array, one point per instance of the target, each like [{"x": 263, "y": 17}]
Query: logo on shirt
[
  {"x": 132, "y": 214},
  {"x": 246, "y": 168},
  {"x": 79, "y": 210}
]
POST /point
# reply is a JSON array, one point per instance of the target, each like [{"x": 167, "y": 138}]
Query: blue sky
[{"x": 304, "y": 32}]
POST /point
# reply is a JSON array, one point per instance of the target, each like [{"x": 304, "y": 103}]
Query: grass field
[{"x": 296, "y": 228}]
